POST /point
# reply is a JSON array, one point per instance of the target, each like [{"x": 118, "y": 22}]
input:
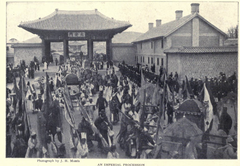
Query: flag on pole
[
  {"x": 16, "y": 89},
  {"x": 68, "y": 97},
  {"x": 144, "y": 86},
  {"x": 68, "y": 112},
  {"x": 26, "y": 125},
  {"x": 156, "y": 97},
  {"x": 186, "y": 90},
  {"x": 169, "y": 94},
  {"x": 189, "y": 88},
  {"x": 22, "y": 86},
  {"x": 48, "y": 100},
  {"x": 209, "y": 108},
  {"x": 94, "y": 128}
]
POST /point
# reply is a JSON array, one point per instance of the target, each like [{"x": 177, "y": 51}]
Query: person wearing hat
[
  {"x": 114, "y": 105},
  {"x": 19, "y": 147},
  {"x": 60, "y": 142},
  {"x": 38, "y": 103},
  {"x": 170, "y": 112},
  {"x": 89, "y": 106},
  {"x": 85, "y": 126},
  {"x": 103, "y": 126},
  {"x": 225, "y": 121},
  {"x": 101, "y": 103},
  {"x": 32, "y": 146},
  {"x": 51, "y": 151},
  {"x": 83, "y": 148}
]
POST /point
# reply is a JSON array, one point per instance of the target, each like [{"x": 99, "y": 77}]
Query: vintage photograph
[{"x": 121, "y": 80}]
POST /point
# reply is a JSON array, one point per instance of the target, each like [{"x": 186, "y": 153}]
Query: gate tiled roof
[{"x": 75, "y": 20}]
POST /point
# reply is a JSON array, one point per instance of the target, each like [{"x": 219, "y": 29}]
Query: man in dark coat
[
  {"x": 114, "y": 107},
  {"x": 103, "y": 126},
  {"x": 84, "y": 126},
  {"x": 38, "y": 103},
  {"x": 225, "y": 121},
  {"x": 101, "y": 103},
  {"x": 20, "y": 147},
  {"x": 170, "y": 112}
]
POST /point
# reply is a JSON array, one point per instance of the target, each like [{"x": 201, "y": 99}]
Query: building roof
[
  {"x": 75, "y": 20},
  {"x": 35, "y": 39},
  {"x": 193, "y": 50},
  {"x": 126, "y": 37},
  {"x": 167, "y": 29},
  {"x": 231, "y": 42},
  {"x": 27, "y": 45}
]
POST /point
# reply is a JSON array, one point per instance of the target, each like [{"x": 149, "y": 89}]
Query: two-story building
[{"x": 193, "y": 31}]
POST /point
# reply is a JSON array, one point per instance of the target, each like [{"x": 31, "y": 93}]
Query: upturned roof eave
[{"x": 33, "y": 30}]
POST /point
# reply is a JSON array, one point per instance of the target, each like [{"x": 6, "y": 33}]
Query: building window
[
  {"x": 7, "y": 48},
  {"x": 158, "y": 61},
  {"x": 162, "y": 43},
  {"x": 137, "y": 58},
  {"x": 151, "y": 60},
  {"x": 141, "y": 45},
  {"x": 152, "y": 44},
  {"x": 143, "y": 59},
  {"x": 148, "y": 60},
  {"x": 162, "y": 61}
]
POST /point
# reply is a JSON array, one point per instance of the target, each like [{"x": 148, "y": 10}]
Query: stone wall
[
  {"x": 123, "y": 51},
  {"x": 201, "y": 65},
  {"x": 27, "y": 54}
]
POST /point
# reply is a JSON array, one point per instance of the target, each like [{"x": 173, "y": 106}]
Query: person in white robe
[
  {"x": 32, "y": 150},
  {"x": 45, "y": 65},
  {"x": 83, "y": 147},
  {"x": 59, "y": 140},
  {"x": 51, "y": 151},
  {"x": 74, "y": 145}
]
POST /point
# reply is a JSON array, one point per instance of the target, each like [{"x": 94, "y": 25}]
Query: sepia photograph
[{"x": 121, "y": 80}]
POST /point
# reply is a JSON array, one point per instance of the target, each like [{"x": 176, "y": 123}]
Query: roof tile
[{"x": 75, "y": 20}]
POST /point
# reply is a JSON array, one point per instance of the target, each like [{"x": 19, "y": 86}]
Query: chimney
[
  {"x": 150, "y": 26},
  {"x": 158, "y": 23},
  {"x": 178, "y": 14},
  {"x": 194, "y": 8}
]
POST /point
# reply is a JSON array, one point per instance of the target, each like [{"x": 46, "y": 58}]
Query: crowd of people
[
  {"x": 117, "y": 94},
  {"x": 219, "y": 86}
]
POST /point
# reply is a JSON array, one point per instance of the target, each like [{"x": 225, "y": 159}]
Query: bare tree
[{"x": 233, "y": 32}]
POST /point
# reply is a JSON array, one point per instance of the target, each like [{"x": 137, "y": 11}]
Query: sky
[{"x": 221, "y": 14}]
